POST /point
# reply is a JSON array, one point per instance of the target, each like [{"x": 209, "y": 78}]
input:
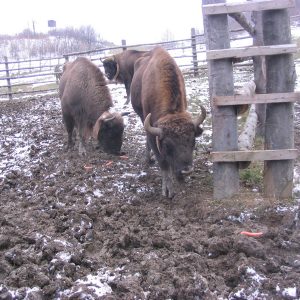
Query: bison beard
[
  {"x": 158, "y": 97},
  {"x": 85, "y": 103}
]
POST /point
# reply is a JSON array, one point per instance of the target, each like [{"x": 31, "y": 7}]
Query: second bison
[
  {"x": 120, "y": 67},
  {"x": 85, "y": 104}
]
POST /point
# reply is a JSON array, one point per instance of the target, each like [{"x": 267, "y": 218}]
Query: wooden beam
[
  {"x": 251, "y": 51},
  {"x": 257, "y": 98},
  {"x": 228, "y": 8},
  {"x": 279, "y": 129},
  {"x": 224, "y": 126},
  {"x": 254, "y": 155}
]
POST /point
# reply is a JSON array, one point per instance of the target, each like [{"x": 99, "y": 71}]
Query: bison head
[
  {"x": 108, "y": 130},
  {"x": 111, "y": 68},
  {"x": 173, "y": 142}
]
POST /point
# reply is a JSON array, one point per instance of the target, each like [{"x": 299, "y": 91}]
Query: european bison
[
  {"x": 158, "y": 96},
  {"x": 85, "y": 104},
  {"x": 120, "y": 67}
]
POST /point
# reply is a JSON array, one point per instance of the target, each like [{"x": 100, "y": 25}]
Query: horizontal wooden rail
[
  {"x": 251, "y": 51},
  {"x": 257, "y": 98},
  {"x": 254, "y": 155},
  {"x": 258, "y": 5}
]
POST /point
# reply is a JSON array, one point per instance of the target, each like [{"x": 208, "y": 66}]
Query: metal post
[
  {"x": 194, "y": 51},
  {"x": 124, "y": 45},
  {"x": 8, "y": 78}
]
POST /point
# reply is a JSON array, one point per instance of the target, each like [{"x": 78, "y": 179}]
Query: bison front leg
[
  {"x": 167, "y": 184},
  {"x": 82, "y": 151},
  {"x": 127, "y": 87},
  {"x": 69, "y": 124}
]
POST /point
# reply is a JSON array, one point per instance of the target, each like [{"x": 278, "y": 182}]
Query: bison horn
[
  {"x": 108, "y": 119},
  {"x": 152, "y": 130},
  {"x": 158, "y": 144},
  {"x": 117, "y": 72},
  {"x": 105, "y": 117},
  {"x": 125, "y": 113},
  {"x": 107, "y": 58},
  {"x": 199, "y": 120}
]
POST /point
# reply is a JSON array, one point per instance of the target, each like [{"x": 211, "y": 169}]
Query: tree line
[{"x": 29, "y": 44}]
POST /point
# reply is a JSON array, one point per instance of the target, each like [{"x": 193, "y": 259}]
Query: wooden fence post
[
  {"x": 8, "y": 78},
  {"x": 280, "y": 74},
  {"x": 18, "y": 66},
  {"x": 66, "y": 57},
  {"x": 225, "y": 174},
  {"x": 124, "y": 45},
  {"x": 194, "y": 51}
]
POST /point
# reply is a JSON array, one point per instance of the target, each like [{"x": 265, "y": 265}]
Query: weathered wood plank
[
  {"x": 257, "y": 98},
  {"x": 259, "y": 5},
  {"x": 225, "y": 175},
  {"x": 279, "y": 129},
  {"x": 254, "y": 155},
  {"x": 251, "y": 51}
]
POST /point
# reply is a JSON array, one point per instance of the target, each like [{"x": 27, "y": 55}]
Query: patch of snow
[
  {"x": 254, "y": 275},
  {"x": 244, "y": 216},
  {"x": 287, "y": 292},
  {"x": 91, "y": 285},
  {"x": 64, "y": 256},
  {"x": 97, "y": 193}
]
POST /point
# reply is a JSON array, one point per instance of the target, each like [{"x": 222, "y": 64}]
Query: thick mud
[{"x": 98, "y": 228}]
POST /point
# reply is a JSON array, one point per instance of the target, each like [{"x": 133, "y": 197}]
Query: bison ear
[{"x": 96, "y": 128}]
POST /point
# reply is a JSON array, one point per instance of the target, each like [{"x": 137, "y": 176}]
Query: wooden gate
[{"x": 279, "y": 153}]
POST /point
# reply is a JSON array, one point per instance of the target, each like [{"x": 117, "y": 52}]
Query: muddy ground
[{"x": 98, "y": 228}]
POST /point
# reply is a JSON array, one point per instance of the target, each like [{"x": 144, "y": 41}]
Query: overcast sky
[{"x": 137, "y": 21}]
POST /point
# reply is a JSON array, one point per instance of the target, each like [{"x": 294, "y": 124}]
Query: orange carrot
[
  {"x": 88, "y": 167},
  {"x": 254, "y": 234},
  {"x": 123, "y": 157},
  {"x": 108, "y": 163}
]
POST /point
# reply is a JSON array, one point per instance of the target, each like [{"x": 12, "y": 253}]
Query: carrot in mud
[
  {"x": 108, "y": 163},
  {"x": 88, "y": 167},
  {"x": 253, "y": 234},
  {"x": 123, "y": 157}
]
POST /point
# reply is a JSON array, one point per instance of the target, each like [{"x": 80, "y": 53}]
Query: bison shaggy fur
[{"x": 86, "y": 104}]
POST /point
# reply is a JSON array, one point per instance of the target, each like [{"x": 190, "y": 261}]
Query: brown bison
[
  {"x": 158, "y": 96},
  {"x": 85, "y": 104},
  {"x": 120, "y": 67}
]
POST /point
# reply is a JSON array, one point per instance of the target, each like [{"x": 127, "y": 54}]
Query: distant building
[{"x": 51, "y": 23}]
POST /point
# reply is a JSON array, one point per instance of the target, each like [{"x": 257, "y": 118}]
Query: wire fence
[{"x": 36, "y": 76}]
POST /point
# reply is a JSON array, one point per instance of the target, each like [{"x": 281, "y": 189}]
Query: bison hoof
[
  {"x": 168, "y": 193},
  {"x": 69, "y": 147}
]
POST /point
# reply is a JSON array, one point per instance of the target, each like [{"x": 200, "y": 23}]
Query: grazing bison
[
  {"x": 120, "y": 67},
  {"x": 85, "y": 104},
  {"x": 158, "y": 96}
]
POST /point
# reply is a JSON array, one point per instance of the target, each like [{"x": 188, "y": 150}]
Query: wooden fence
[
  {"x": 279, "y": 151},
  {"x": 18, "y": 78}
]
